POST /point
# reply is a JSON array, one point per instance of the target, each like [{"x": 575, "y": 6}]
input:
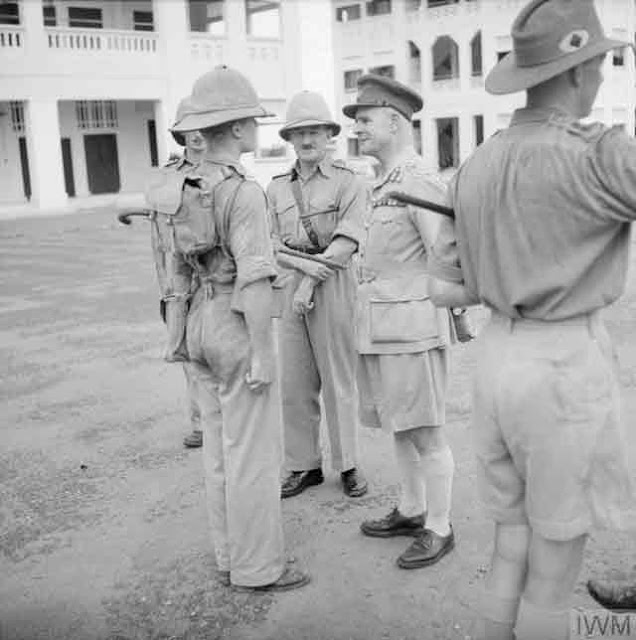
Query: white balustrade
[
  {"x": 208, "y": 49},
  {"x": 98, "y": 40},
  {"x": 11, "y": 37}
]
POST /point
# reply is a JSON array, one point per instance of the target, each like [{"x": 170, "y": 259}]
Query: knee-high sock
[
  {"x": 438, "y": 468},
  {"x": 539, "y": 623},
  {"x": 499, "y": 616},
  {"x": 412, "y": 490}
]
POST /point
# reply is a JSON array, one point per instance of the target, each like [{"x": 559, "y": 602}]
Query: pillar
[{"x": 45, "y": 153}]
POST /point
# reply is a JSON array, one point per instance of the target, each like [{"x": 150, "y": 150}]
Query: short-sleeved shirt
[
  {"x": 335, "y": 200},
  {"x": 240, "y": 210},
  {"x": 542, "y": 218},
  {"x": 393, "y": 291}
]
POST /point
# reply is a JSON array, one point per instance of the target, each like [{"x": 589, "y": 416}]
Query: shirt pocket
[{"x": 287, "y": 220}]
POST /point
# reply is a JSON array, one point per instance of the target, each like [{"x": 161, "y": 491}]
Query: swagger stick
[{"x": 406, "y": 198}]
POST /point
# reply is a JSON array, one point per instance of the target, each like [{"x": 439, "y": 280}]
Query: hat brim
[
  {"x": 206, "y": 119},
  {"x": 288, "y": 128},
  {"x": 350, "y": 110},
  {"x": 178, "y": 138},
  {"x": 508, "y": 77}
]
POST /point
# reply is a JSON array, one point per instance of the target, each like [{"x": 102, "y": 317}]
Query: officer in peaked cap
[
  {"x": 317, "y": 207},
  {"x": 401, "y": 338},
  {"x": 230, "y": 340},
  {"x": 541, "y": 237},
  {"x": 380, "y": 91}
]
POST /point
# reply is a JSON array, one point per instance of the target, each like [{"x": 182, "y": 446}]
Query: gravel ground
[{"x": 102, "y": 524}]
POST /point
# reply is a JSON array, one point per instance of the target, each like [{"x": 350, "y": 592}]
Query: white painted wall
[{"x": 11, "y": 188}]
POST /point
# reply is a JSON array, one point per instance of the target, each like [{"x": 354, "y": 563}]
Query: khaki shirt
[
  {"x": 395, "y": 314},
  {"x": 542, "y": 218},
  {"x": 247, "y": 253},
  {"x": 335, "y": 201}
]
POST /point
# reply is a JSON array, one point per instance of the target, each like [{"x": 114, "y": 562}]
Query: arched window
[
  {"x": 475, "y": 55},
  {"x": 445, "y": 59}
]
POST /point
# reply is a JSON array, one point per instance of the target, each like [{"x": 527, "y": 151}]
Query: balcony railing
[
  {"x": 98, "y": 40},
  {"x": 11, "y": 37},
  {"x": 208, "y": 49}
]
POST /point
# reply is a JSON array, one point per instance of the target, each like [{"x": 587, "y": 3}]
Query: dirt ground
[{"x": 102, "y": 522}]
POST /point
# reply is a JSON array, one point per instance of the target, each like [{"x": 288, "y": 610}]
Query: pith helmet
[
  {"x": 549, "y": 37},
  {"x": 307, "y": 109},
  {"x": 183, "y": 107},
  {"x": 219, "y": 96}
]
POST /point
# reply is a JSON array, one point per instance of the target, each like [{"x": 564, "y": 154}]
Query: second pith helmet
[
  {"x": 219, "y": 96},
  {"x": 307, "y": 109},
  {"x": 182, "y": 109}
]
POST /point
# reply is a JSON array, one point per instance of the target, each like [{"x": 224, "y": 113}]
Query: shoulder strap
[
  {"x": 224, "y": 227},
  {"x": 306, "y": 221}
]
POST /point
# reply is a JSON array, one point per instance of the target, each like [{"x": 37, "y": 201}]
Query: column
[
  {"x": 165, "y": 141},
  {"x": 45, "y": 153},
  {"x": 32, "y": 19},
  {"x": 173, "y": 27}
]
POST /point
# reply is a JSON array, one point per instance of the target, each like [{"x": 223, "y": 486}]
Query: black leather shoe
[
  {"x": 427, "y": 549},
  {"x": 395, "y": 524},
  {"x": 194, "y": 440},
  {"x": 297, "y": 481},
  {"x": 353, "y": 483},
  {"x": 614, "y": 597}
]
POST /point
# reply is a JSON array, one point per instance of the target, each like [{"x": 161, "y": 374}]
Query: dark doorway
[
  {"x": 24, "y": 163},
  {"x": 102, "y": 166},
  {"x": 67, "y": 163},
  {"x": 152, "y": 142}
]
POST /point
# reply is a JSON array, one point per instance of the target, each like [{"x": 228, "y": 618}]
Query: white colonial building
[
  {"x": 88, "y": 88},
  {"x": 444, "y": 49}
]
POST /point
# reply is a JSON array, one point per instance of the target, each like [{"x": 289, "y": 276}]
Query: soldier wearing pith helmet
[
  {"x": 194, "y": 149},
  {"x": 230, "y": 339},
  {"x": 316, "y": 209},
  {"x": 541, "y": 237},
  {"x": 401, "y": 338}
]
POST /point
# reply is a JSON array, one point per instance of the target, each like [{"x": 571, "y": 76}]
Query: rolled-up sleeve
[
  {"x": 613, "y": 165},
  {"x": 354, "y": 202},
  {"x": 249, "y": 236}
]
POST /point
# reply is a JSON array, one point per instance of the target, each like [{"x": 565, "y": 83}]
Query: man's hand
[
  {"x": 261, "y": 372},
  {"x": 302, "y": 302},
  {"x": 319, "y": 272}
]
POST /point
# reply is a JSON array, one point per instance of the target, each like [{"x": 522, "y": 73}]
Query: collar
[
  {"x": 403, "y": 158},
  {"x": 324, "y": 168},
  {"x": 183, "y": 162},
  {"x": 227, "y": 162},
  {"x": 529, "y": 115}
]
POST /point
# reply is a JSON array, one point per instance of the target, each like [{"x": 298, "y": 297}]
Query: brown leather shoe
[
  {"x": 194, "y": 440},
  {"x": 297, "y": 481},
  {"x": 353, "y": 483},
  {"x": 427, "y": 549},
  {"x": 614, "y": 597},
  {"x": 395, "y": 524},
  {"x": 291, "y": 578}
]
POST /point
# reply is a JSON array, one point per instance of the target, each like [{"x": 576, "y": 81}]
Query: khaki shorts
[
  {"x": 546, "y": 427},
  {"x": 403, "y": 391}
]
